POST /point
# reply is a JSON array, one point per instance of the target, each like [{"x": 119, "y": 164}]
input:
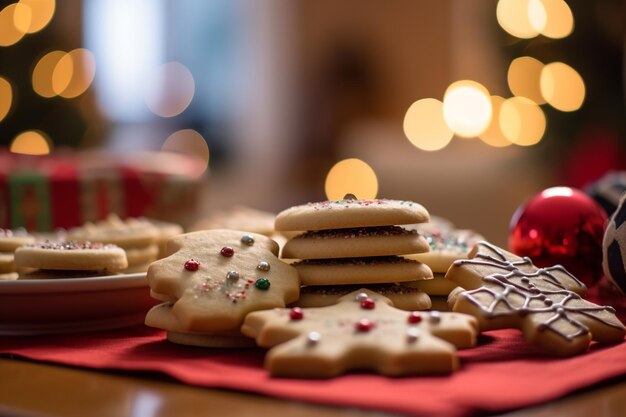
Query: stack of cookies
[
  {"x": 142, "y": 239},
  {"x": 447, "y": 244},
  {"x": 350, "y": 244},
  {"x": 10, "y": 240}
]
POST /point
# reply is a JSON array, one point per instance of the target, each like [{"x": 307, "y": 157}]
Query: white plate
[{"x": 63, "y": 305}]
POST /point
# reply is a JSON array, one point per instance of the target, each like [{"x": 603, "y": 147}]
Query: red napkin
[{"x": 502, "y": 373}]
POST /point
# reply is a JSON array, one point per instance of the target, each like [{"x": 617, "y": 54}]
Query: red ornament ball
[{"x": 561, "y": 226}]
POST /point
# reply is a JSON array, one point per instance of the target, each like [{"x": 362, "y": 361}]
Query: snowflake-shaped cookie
[
  {"x": 215, "y": 277},
  {"x": 506, "y": 291},
  {"x": 362, "y": 332}
]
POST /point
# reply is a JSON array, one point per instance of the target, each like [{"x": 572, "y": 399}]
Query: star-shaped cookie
[{"x": 362, "y": 332}]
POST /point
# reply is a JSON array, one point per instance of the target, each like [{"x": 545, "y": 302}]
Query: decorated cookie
[
  {"x": 239, "y": 218},
  {"x": 355, "y": 242},
  {"x": 350, "y": 213},
  {"x": 439, "y": 285},
  {"x": 71, "y": 256},
  {"x": 129, "y": 233},
  {"x": 446, "y": 246},
  {"x": 371, "y": 270},
  {"x": 504, "y": 290},
  {"x": 216, "y": 277},
  {"x": 10, "y": 240},
  {"x": 362, "y": 332},
  {"x": 161, "y": 316},
  {"x": 400, "y": 295}
]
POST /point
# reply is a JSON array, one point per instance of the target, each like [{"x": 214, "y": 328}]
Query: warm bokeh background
[{"x": 469, "y": 108}]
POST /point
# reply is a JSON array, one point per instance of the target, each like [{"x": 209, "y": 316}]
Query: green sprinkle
[{"x": 262, "y": 283}]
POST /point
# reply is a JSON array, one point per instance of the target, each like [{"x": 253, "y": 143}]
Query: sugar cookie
[
  {"x": 129, "y": 233},
  {"x": 504, "y": 290},
  {"x": 216, "y": 277},
  {"x": 361, "y": 332},
  {"x": 439, "y": 285},
  {"x": 350, "y": 213},
  {"x": 371, "y": 270},
  {"x": 446, "y": 247},
  {"x": 10, "y": 240},
  {"x": 71, "y": 256},
  {"x": 7, "y": 263},
  {"x": 239, "y": 218},
  {"x": 161, "y": 316},
  {"x": 355, "y": 242},
  {"x": 401, "y": 295}
]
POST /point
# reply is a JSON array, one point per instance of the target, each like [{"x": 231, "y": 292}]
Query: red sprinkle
[
  {"x": 296, "y": 313},
  {"x": 414, "y": 317},
  {"x": 227, "y": 251},
  {"x": 192, "y": 265},
  {"x": 364, "y": 325},
  {"x": 368, "y": 304}
]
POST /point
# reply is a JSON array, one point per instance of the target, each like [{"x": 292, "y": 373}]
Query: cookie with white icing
[
  {"x": 367, "y": 270},
  {"x": 71, "y": 256},
  {"x": 355, "y": 242},
  {"x": 503, "y": 290},
  {"x": 362, "y": 332},
  {"x": 401, "y": 295},
  {"x": 215, "y": 277},
  {"x": 349, "y": 213}
]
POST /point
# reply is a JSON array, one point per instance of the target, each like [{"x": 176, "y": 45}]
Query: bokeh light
[
  {"x": 9, "y": 33},
  {"x": 43, "y": 71},
  {"x": 493, "y": 135},
  {"x": 514, "y": 16},
  {"x": 22, "y": 17},
  {"x": 351, "y": 176},
  {"x": 83, "y": 64},
  {"x": 467, "y": 108},
  {"x": 522, "y": 121},
  {"x": 31, "y": 142},
  {"x": 190, "y": 143},
  {"x": 41, "y": 12},
  {"x": 425, "y": 127},
  {"x": 559, "y": 19},
  {"x": 170, "y": 89},
  {"x": 523, "y": 78},
  {"x": 6, "y": 97},
  {"x": 62, "y": 74},
  {"x": 562, "y": 86}
]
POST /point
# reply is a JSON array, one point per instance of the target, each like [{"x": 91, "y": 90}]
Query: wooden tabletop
[{"x": 30, "y": 389}]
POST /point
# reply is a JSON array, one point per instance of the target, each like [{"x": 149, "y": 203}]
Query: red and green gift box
[{"x": 66, "y": 189}]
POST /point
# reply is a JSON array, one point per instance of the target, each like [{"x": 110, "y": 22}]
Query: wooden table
[{"x": 30, "y": 389}]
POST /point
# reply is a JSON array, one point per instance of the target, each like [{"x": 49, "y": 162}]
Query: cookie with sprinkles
[
  {"x": 401, "y": 295},
  {"x": 71, "y": 256},
  {"x": 10, "y": 240},
  {"x": 349, "y": 213},
  {"x": 366, "y": 270},
  {"x": 503, "y": 290},
  {"x": 215, "y": 277},
  {"x": 355, "y": 242},
  {"x": 446, "y": 246},
  {"x": 361, "y": 332}
]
